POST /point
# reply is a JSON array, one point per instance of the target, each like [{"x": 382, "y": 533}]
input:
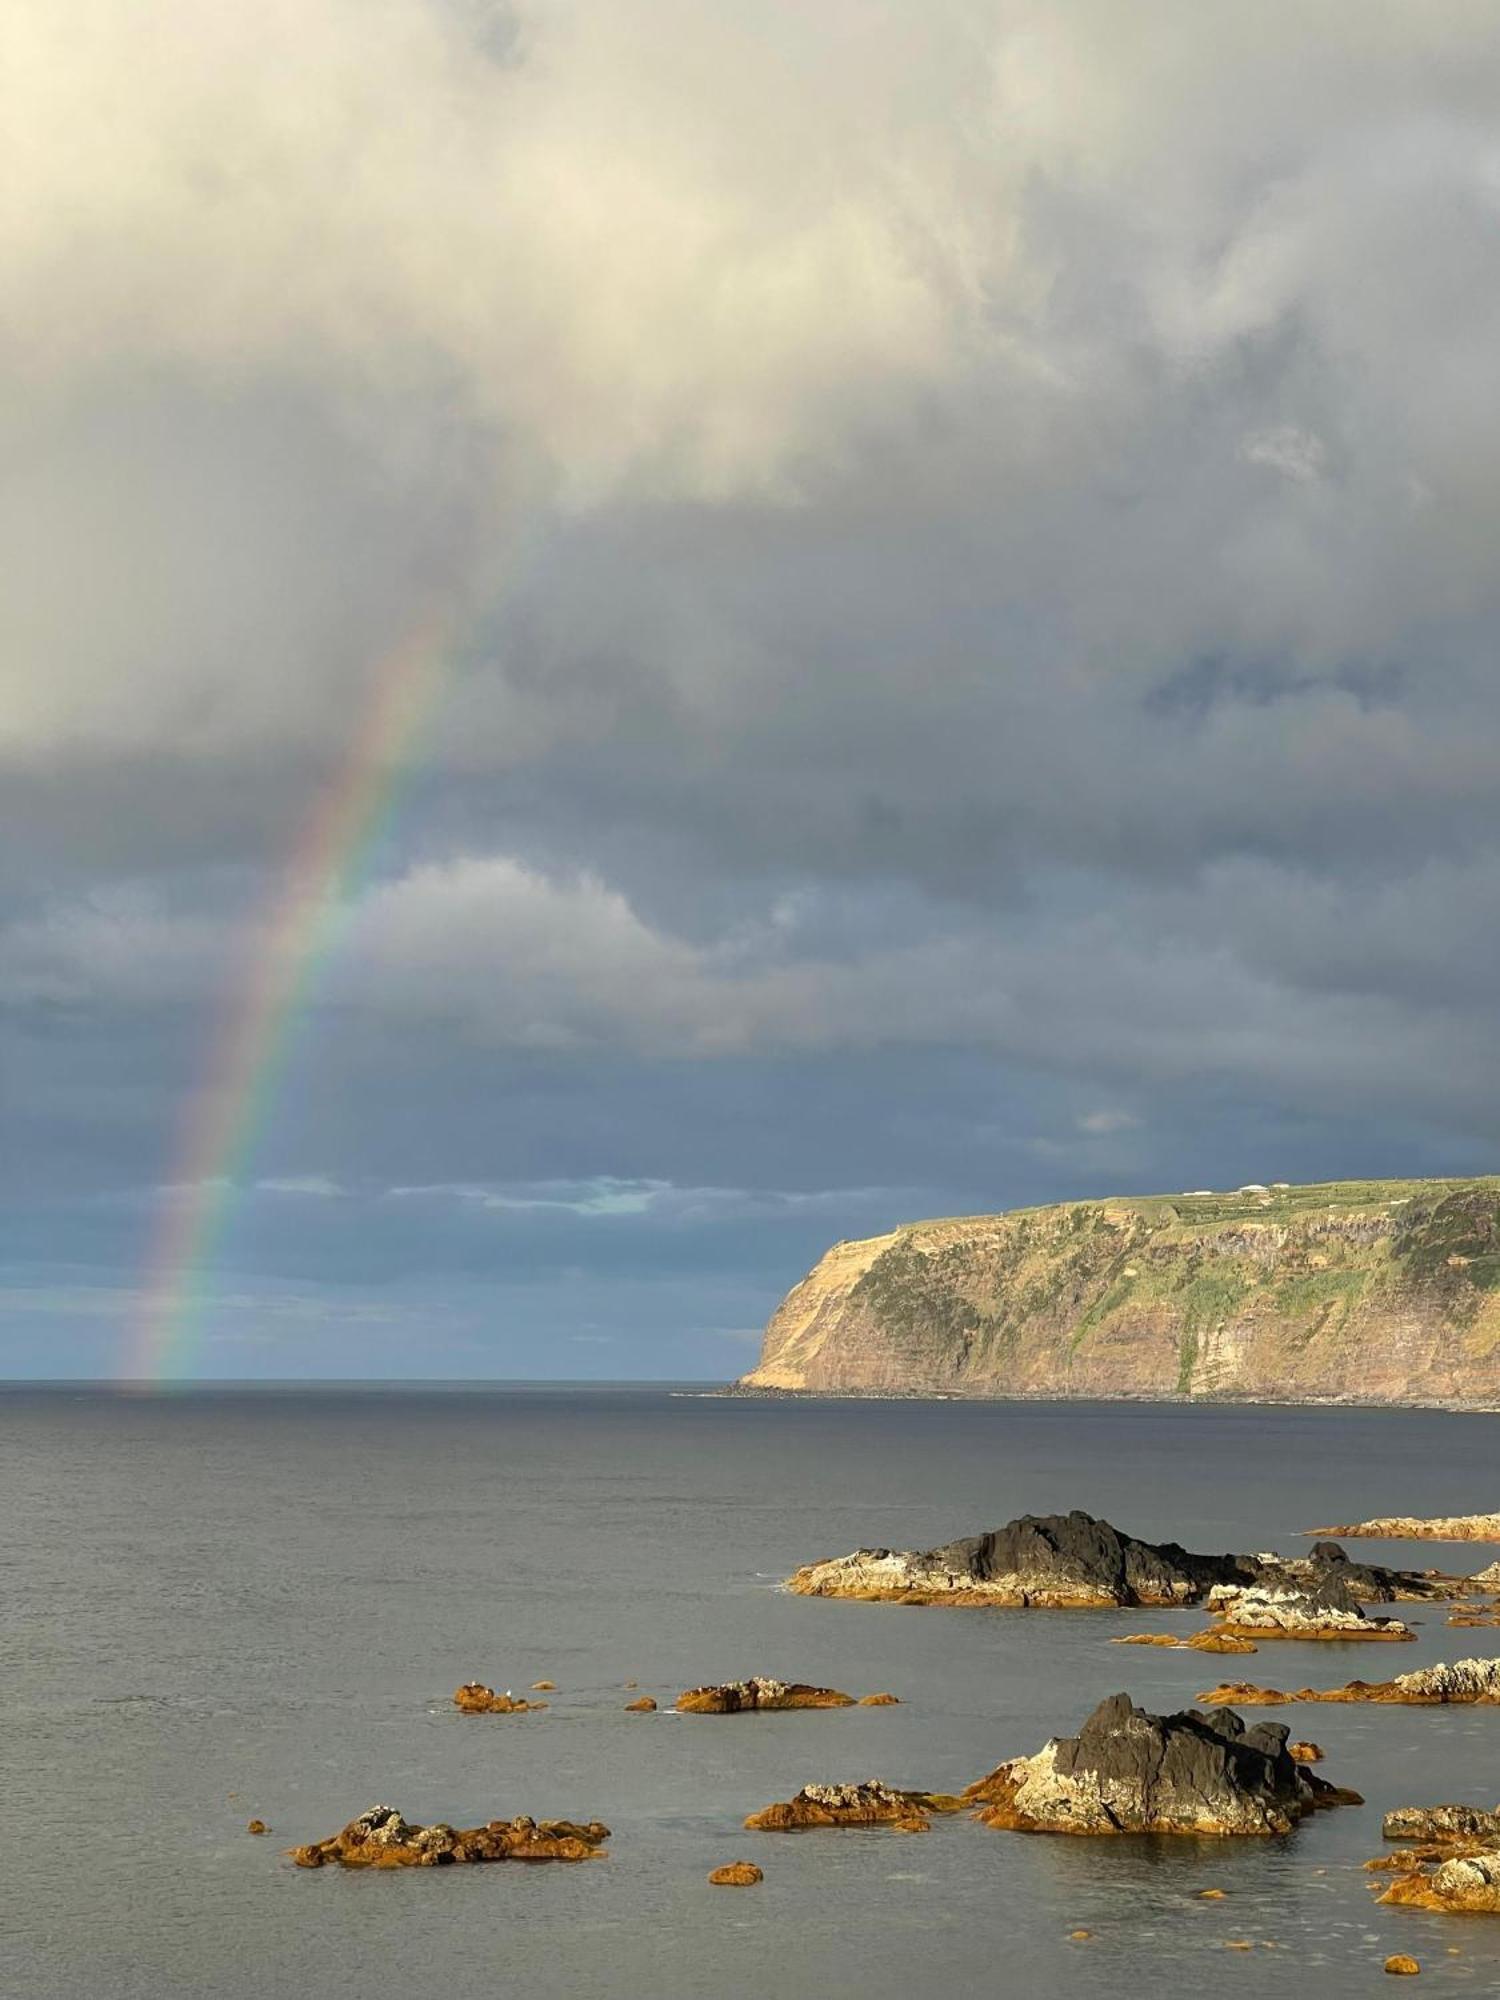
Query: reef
[
  {"x": 1327, "y": 1608},
  {"x": 1127, "y": 1771},
  {"x": 474, "y": 1698},
  {"x": 1412, "y": 1528},
  {"x": 1077, "y": 1562},
  {"x": 384, "y": 1838},
  {"x": 736, "y": 1875},
  {"x": 870, "y": 1803},
  {"x": 1462, "y": 1882},
  {"x": 1456, "y": 1681},
  {"x": 759, "y": 1693}
]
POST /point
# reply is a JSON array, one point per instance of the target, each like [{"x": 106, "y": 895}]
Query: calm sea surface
[{"x": 222, "y": 1605}]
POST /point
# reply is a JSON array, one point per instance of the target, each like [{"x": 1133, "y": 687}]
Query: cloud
[{"x": 960, "y": 541}]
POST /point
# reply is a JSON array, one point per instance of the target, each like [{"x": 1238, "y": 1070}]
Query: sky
[{"x": 952, "y": 548}]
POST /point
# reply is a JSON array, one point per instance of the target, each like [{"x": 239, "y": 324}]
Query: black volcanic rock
[
  {"x": 1127, "y": 1771},
  {"x": 1064, "y": 1560}
]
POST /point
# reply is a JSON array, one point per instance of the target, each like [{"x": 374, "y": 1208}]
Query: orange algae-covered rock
[
  {"x": 645, "y": 1706},
  {"x": 1462, "y": 1882},
  {"x": 1304, "y": 1752},
  {"x": 1216, "y": 1640},
  {"x": 1455, "y": 1681},
  {"x": 1401, "y": 1961},
  {"x": 384, "y": 1838},
  {"x": 868, "y": 1804},
  {"x": 759, "y": 1692},
  {"x": 474, "y": 1698},
  {"x": 257, "y": 1826},
  {"x": 736, "y": 1875},
  {"x": 879, "y": 1701}
]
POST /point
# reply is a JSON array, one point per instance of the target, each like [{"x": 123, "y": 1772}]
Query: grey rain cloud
[{"x": 962, "y": 539}]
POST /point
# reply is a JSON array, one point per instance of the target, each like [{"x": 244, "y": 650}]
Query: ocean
[{"x": 226, "y": 1604}]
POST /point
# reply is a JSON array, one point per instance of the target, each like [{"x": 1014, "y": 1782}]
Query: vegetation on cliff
[{"x": 1380, "y": 1291}]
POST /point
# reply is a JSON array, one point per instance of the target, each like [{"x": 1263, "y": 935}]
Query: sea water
[{"x": 222, "y": 1605}]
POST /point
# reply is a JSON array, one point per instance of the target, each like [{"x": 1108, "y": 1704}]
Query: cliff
[{"x": 1359, "y": 1291}]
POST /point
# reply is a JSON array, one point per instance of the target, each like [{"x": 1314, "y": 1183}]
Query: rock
[
  {"x": 543, "y": 1687},
  {"x": 1487, "y": 1579},
  {"x": 736, "y": 1875},
  {"x": 1211, "y": 1895},
  {"x": 1073, "y": 1561},
  {"x": 474, "y": 1698},
  {"x": 257, "y": 1826},
  {"x": 1399, "y": 1961},
  {"x": 1130, "y": 1772},
  {"x": 1456, "y": 1681},
  {"x": 1411, "y": 1528},
  {"x": 1469, "y": 1825},
  {"x": 384, "y": 1838},
  {"x": 758, "y": 1693},
  {"x": 1461, "y": 1882},
  {"x": 645, "y": 1706},
  {"x": 868, "y": 1804},
  {"x": 1327, "y": 1608},
  {"x": 1212, "y": 1641},
  {"x": 879, "y": 1701},
  {"x": 1080, "y": 1934},
  {"x": 1305, "y": 1753}
]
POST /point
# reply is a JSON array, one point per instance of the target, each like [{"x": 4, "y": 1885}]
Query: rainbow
[{"x": 227, "y": 1113}]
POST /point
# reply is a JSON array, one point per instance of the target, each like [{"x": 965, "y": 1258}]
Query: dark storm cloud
[{"x": 964, "y": 543}]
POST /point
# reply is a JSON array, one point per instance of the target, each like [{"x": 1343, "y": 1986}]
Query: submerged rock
[
  {"x": 1068, "y": 1561},
  {"x": 385, "y": 1838},
  {"x": 1462, "y": 1882},
  {"x": 758, "y": 1693},
  {"x": 474, "y": 1698},
  {"x": 1458, "y": 1681},
  {"x": 870, "y": 1803},
  {"x": 1402, "y": 1962},
  {"x": 645, "y": 1706},
  {"x": 1130, "y": 1772},
  {"x": 880, "y": 1701}
]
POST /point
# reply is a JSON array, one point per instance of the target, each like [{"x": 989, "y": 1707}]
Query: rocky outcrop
[
  {"x": 1130, "y": 1772},
  {"x": 1375, "y": 1291},
  {"x": 736, "y": 1875},
  {"x": 1449, "y": 1681},
  {"x": 384, "y": 1838},
  {"x": 758, "y": 1693},
  {"x": 1073, "y": 1561},
  {"x": 1434, "y": 1825},
  {"x": 474, "y": 1698},
  {"x": 870, "y": 1803},
  {"x": 1327, "y": 1609},
  {"x": 1469, "y": 1882},
  {"x": 1212, "y": 1641},
  {"x": 1410, "y": 1528},
  {"x": 644, "y": 1706}
]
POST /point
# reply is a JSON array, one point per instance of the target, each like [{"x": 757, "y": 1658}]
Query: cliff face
[{"x": 1367, "y": 1291}]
